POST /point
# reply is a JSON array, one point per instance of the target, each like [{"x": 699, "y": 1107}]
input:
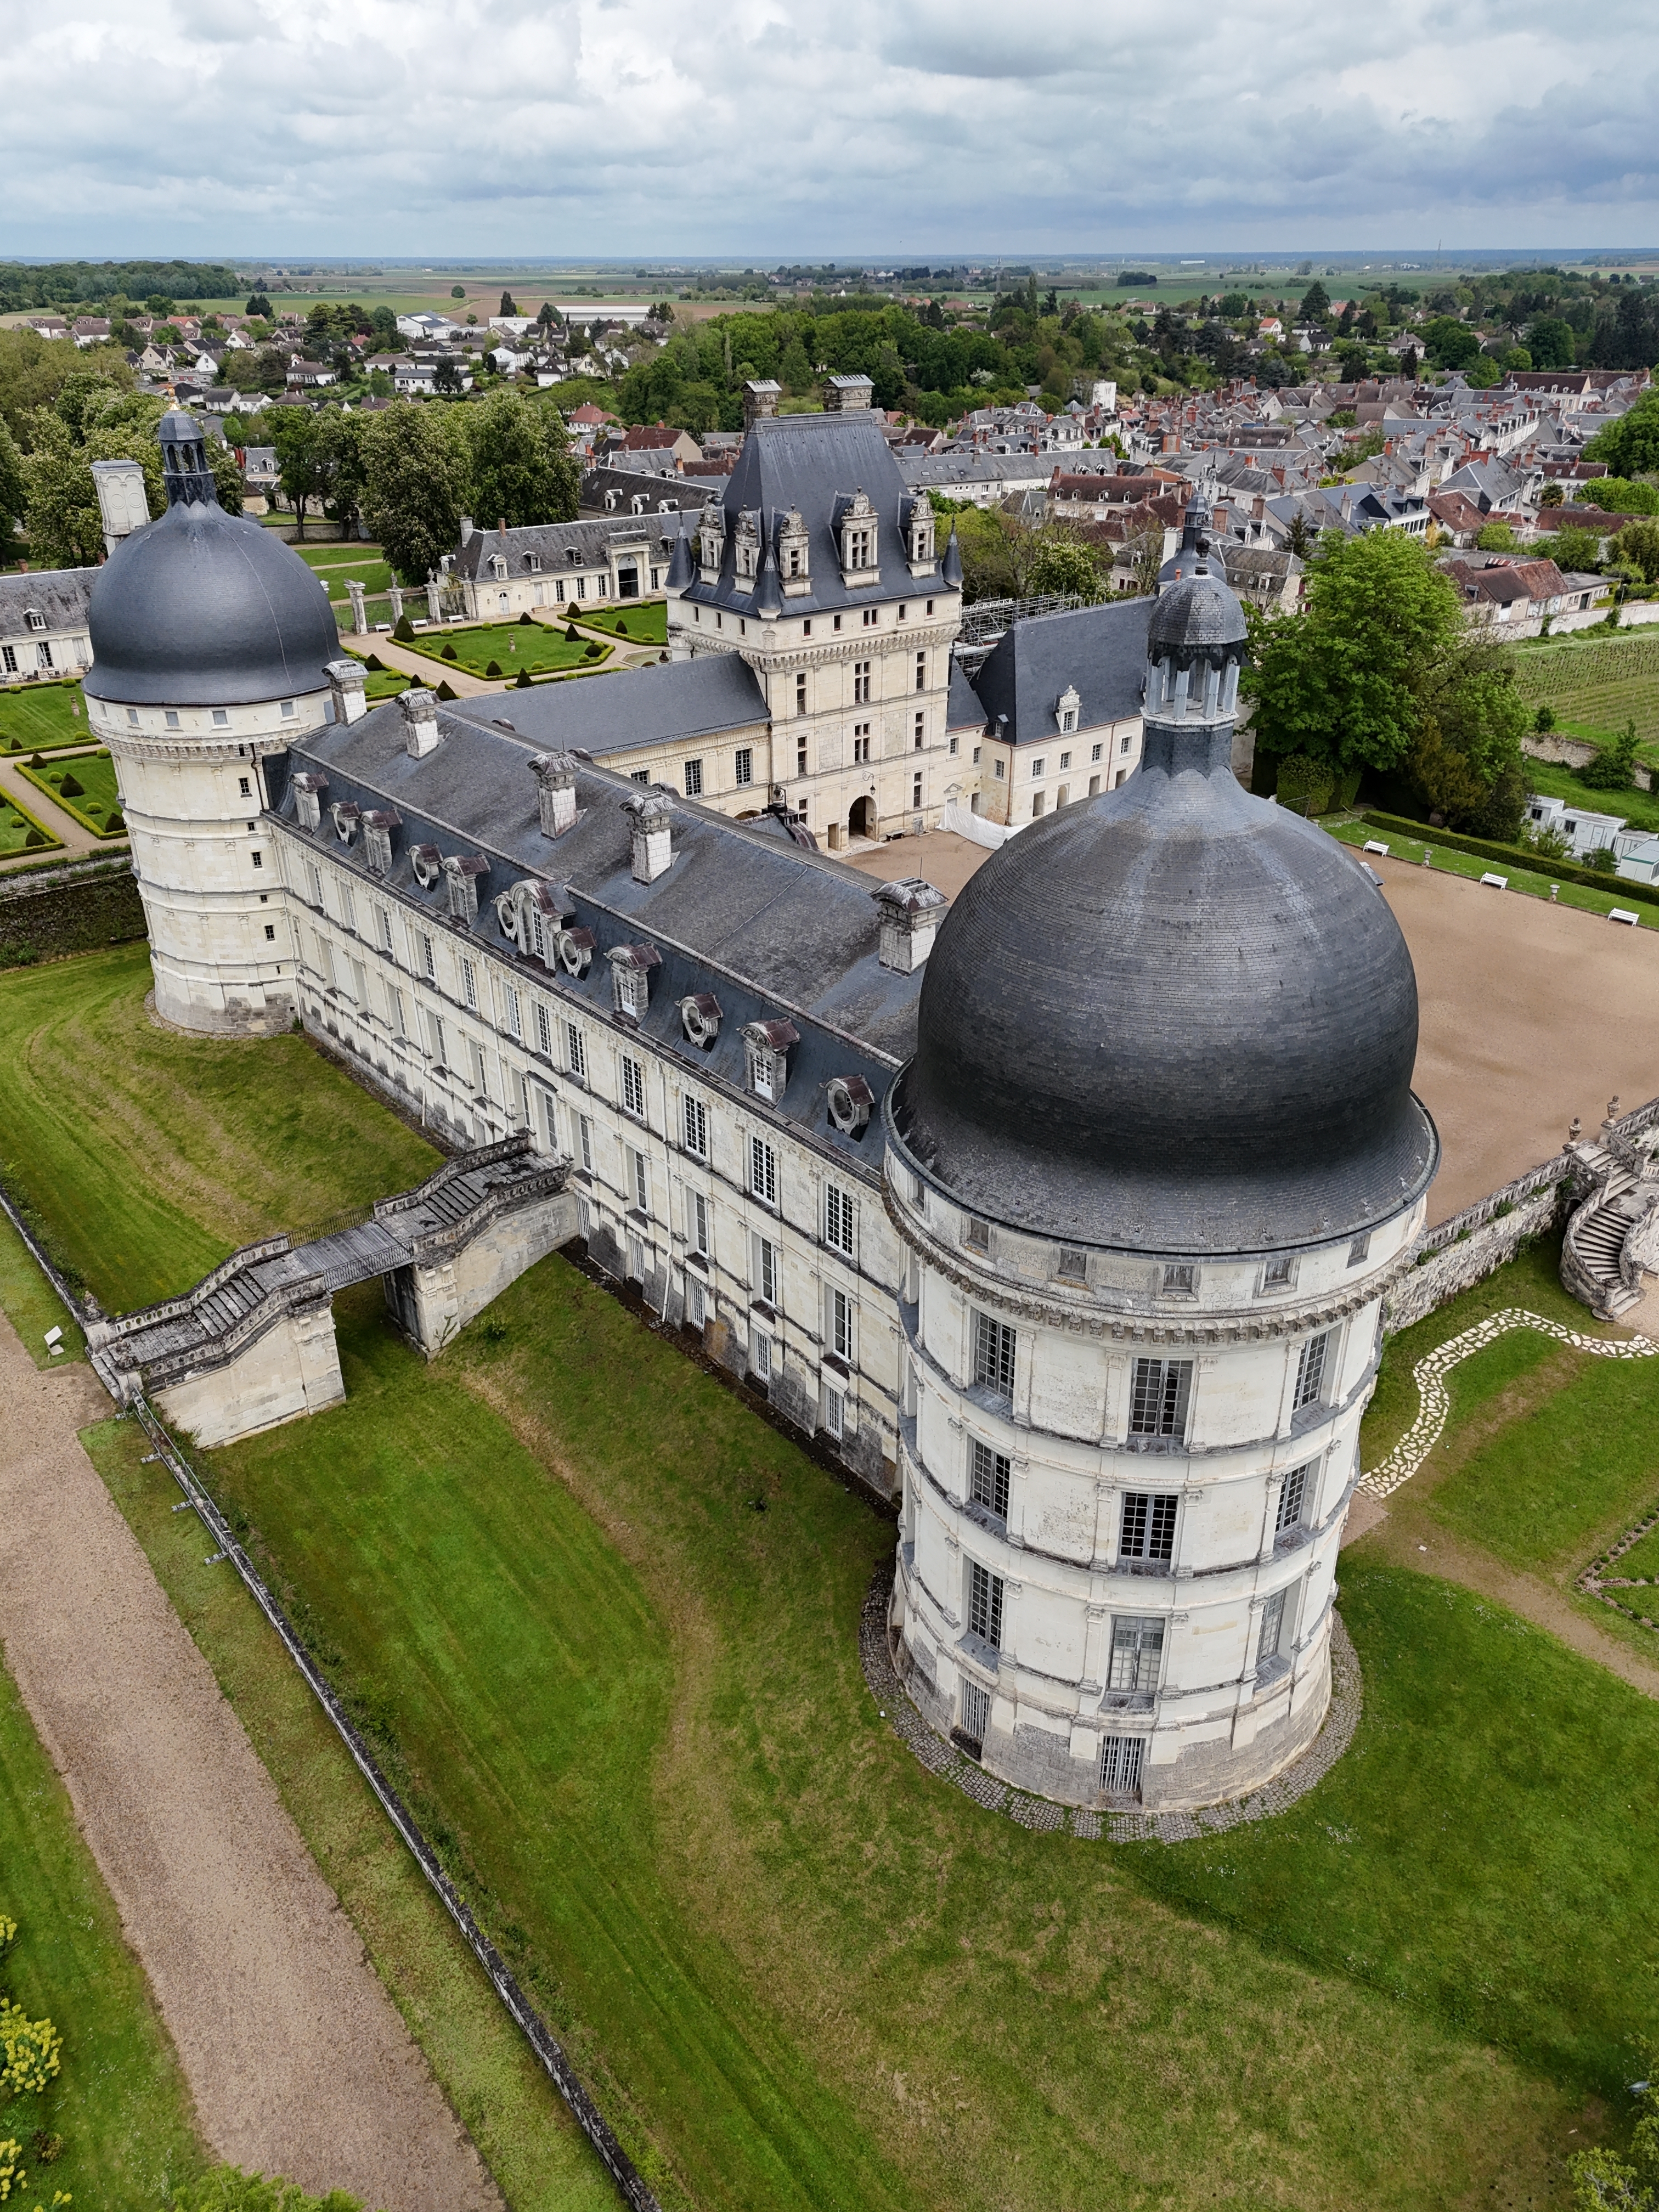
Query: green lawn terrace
[
  {"x": 627, "y": 1708},
  {"x": 1531, "y": 878},
  {"x": 42, "y": 718},
  {"x": 84, "y": 787},
  {"x": 493, "y": 649},
  {"x": 642, "y": 622},
  {"x": 342, "y": 563},
  {"x": 23, "y": 831}
]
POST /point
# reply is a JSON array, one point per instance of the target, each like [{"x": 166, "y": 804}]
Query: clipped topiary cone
[
  {"x": 494, "y": 668},
  {"x": 446, "y": 691},
  {"x": 523, "y": 683}
]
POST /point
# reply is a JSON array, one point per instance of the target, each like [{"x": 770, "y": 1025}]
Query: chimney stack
[
  {"x": 911, "y": 912},
  {"x": 650, "y": 827},
  {"x": 346, "y": 681},
  {"x": 420, "y": 712},
  {"x": 556, "y": 792}
]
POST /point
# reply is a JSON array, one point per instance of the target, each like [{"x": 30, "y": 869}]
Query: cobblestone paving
[
  {"x": 1041, "y": 1814},
  {"x": 1430, "y": 1372}
]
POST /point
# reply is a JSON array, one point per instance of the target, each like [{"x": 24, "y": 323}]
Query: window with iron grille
[
  {"x": 837, "y": 1218},
  {"x": 1159, "y": 1398},
  {"x": 696, "y": 1127},
  {"x": 1120, "y": 1766},
  {"x": 641, "y": 1190},
  {"x": 1293, "y": 1496},
  {"x": 762, "y": 1171},
  {"x": 993, "y": 1354},
  {"x": 975, "y": 1711},
  {"x": 1311, "y": 1370},
  {"x": 989, "y": 1479},
  {"x": 575, "y": 1052},
  {"x": 1272, "y": 1629},
  {"x": 985, "y": 1604},
  {"x": 1146, "y": 1526},
  {"x": 544, "y": 1030},
  {"x": 1137, "y": 1651},
  {"x": 840, "y": 1324},
  {"x": 633, "y": 1087}
]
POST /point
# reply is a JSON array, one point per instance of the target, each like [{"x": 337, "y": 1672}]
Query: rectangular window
[
  {"x": 1137, "y": 1649},
  {"x": 975, "y": 1711},
  {"x": 993, "y": 1354},
  {"x": 316, "y": 875},
  {"x": 258, "y": 859},
  {"x": 288, "y": 710},
  {"x": 1311, "y": 1370},
  {"x": 1279, "y": 1274},
  {"x": 544, "y": 1030},
  {"x": 575, "y": 1052},
  {"x": 436, "y": 1028},
  {"x": 1094, "y": 752},
  {"x": 383, "y": 928},
  {"x": 916, "y": 792},
  {"x": 641, "y": 1190},
  {"x": 9, "y": 661},
  {"x": 1294, "y": 1497},
  {"x": 585, "y": 1131},
  {"x": 800, "y": 693},
  {"x": 696, "y": 1311},
  {"x": 1360, "y": 1250},
  {"x": 348, "y": 904},
  {"x": 469, "y": 984},
  {"x": 479, "y": 1085},
  {"x": 696, "y": 1221},
  {"x": 922, "y": 672},
  {"x": 1180, "y": 1280},
  {"x": 766, "y": 1269},
  {"x": 801, "y": 760},
  {"x": 1120, "y": 1766},
  {"x": 1272, "y": 1630},
  {"x": 1146, "y": 1527},
  {"x": 247, "y": 788},
  {"x": 988, "y": 1479},
  {"x": 860, "y": 683},
  {"x": 761, "y": 1358},
  {"x": 985, "y": 1604},
  {"x": 694, "y": 779},
  {"x": 835, "y": 1412},
  {"x": 359, "y": 987},
  {"x": 1125, "y": 744},
  {"x": 428, "y": 960},
  {"x": 762, "y": 1171},
  {"x": 515, "y": 1014},
  {"x": 1159, "y": 1397},
  {"x": 837, "y": 1218},
  {"x": 840, "y": 1325},
  {"x": 270, "y": 933},
  {"x": 697, "y": 1126},
  {"x": 633, "y": 1087},
  {"x": 743, "y": 764}
]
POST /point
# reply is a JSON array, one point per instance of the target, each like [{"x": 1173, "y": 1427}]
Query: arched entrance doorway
[{"x": 861, "y": 822}]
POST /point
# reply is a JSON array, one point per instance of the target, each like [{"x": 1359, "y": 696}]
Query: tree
[
  {"x": 1495, "y": 538},
  {"x": 65, "y": 528},
  {"x": 1066, "y": 565},
  {"x": 521, "y": 467},
  {"x": 298, "y": 459},
  {"x": 1636, "y": 546},
  {"x": 1316, "y": 302},
  {"x": 1613, "y": 767},
  {"x": 457, "y": 291},
  {"x": 1550, "y": 342},
  {"x": 1450, "y": 343},
  {"x": 1576, "y": 550},
  {"x": 1552, "y": 495},
  {"x": 1630, "y": 446},
  {"x": 416, "y": 466},
  {"x": 507, "y": 307},
  {"x": 14, "y": 489},
  {"x": 258, "y": 305},
  {"x": 1343, "y": 681},
  {"x": 1467, "y": 762}
]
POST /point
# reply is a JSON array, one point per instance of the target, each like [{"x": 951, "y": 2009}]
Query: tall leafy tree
[
  {"x": 300, "y": 457},
  {"x": 417, "y": 473},
  {"x": 14, "y": 488},
  {"x": 66, "y": 530},
  {"x": 1630, "y": 446},
  {"x": 521, "y": 469}
]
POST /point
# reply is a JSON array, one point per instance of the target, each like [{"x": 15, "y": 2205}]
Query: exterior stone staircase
[{"x": 1613, "y": 1233}]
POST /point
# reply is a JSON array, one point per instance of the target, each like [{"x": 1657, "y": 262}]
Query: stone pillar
[
  {"x": 359, "y": 618},
  {"x": 396, "y": 594},
  {"x": 434, "y": 613}
]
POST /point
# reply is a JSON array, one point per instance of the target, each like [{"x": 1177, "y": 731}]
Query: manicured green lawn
[
  {"x": 643, "y": 622},
  {"x": 36, "y": 717},
  {"x": 513, "y": 646},
  {"x": 1557, "y": 780},
  {"x": 32, "y": 1302},
  {"x": 120, "y": 2102},
  {"x": 100, "y": 798},
  {"x": 1530, "y": 882},
  {"x": 632, "y": 1706},
  {"x": 522, "y": 2126},
  {"x": 16, "y": 823},
  {"x": 339, "y": 564},
  {"x": 151, "y": 1156}
]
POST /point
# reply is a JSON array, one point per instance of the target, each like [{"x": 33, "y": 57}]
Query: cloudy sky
[{"x": 773, "y": 128}]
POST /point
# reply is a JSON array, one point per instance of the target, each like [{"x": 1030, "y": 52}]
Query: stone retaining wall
[
  {"x": 1458, "y": 1253},
  {"x": 67, "y": 910}
]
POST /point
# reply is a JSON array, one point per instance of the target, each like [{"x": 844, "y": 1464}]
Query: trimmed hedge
[{"x": 1562, "y": 871}]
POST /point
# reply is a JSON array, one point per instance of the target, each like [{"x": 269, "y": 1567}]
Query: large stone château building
[{"x": 1062, "y": 1216}]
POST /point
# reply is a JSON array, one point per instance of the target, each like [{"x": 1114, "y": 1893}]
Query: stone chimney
[
  {"x": 760, "y": 397},
  {"x": 420, "y": 712},
  {"x": 556, "y": 792},
  {"x": 346, "y": 680},
  {"x": 911, "y": 912},
  {"x": 650, "y": 827},
  {"x": 121, "y": 500},
  {"x": 466, "y": 528}
]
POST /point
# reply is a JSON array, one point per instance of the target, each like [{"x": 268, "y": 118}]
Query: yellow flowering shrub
[
  {"x": 30, "y": 2049},
  {"x": 12, "y": 2175}
]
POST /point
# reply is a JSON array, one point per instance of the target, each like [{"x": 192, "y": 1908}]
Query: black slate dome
[
  {"x": 202, "y": 608},
  {"x": 1174, "y": 1018}
]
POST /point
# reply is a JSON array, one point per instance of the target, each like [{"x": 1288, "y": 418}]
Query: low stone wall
[
  {"x": 1457, "y": 1254},
  {"x": 1577, "y": 752},
  {"x": 68, "y": 909}
]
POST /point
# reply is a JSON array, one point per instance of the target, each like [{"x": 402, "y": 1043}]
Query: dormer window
[
  {"x": 36, "y": 619},
  {"x": 766, "y": 1057},
  {"x": 919, "y": 537},
  {"x": 1066, "y": 710},
  {"x": 794, "y": 555},
  {"x": 1180, "y": 1280},
  {"x": 631, "y": 978},
  {"x": 532, "y": 561},
  {"x": 498, "y": 568},
  {"x": 748, "y": 548},
  {"x": 858, "y": 539}
]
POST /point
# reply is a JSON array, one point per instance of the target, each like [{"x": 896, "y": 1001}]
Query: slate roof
[
  {"x": 964, "y": 710},
  {"x": 554, "y": 542},
  {"x": 663, "y": 704},
  {"x": 770, "y": 930},
  {"x": 1101, "y": 652},
  {"x": 59, "y": 594}
]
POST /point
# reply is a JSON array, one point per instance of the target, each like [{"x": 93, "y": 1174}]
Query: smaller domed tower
[
  {"x": 1157, "y": 1161},
  {"x": 211, "y": 641}
]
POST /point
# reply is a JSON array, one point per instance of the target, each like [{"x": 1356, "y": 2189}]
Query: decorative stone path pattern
[
  {"x": 1596, "y": 1582},
  {"x": 944, "y": 1759},
  {"x": 1430, "y": 1372}
]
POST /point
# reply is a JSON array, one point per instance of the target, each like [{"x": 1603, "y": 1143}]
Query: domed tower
[
  {"x": 1157, "y": 1160},
  {"x": 211, "y": 641}
]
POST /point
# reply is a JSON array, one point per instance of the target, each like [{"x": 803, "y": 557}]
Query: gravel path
[{"x": 296, "y": 2057}]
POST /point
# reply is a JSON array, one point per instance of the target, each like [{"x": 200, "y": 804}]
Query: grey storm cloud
[{"x": 524, "y": 126}]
